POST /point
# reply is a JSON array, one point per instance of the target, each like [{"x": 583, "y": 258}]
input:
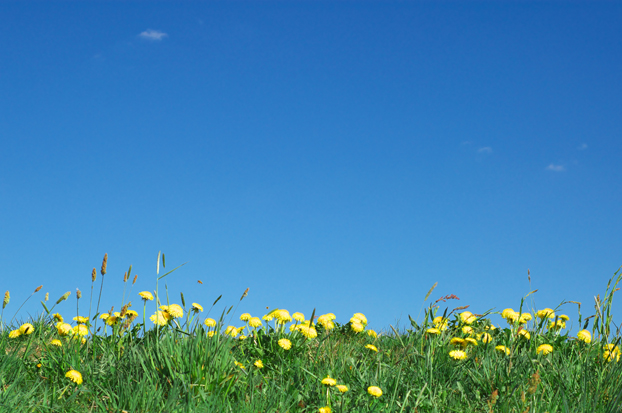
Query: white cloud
[
  {"x": 582, "y": 147},
  {"x": 556, "y": 168},
  {"x": 150, "y": 34},
  {"x": 485, "y": 149}
]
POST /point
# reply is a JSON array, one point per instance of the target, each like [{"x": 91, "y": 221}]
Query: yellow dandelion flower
[
  {"x": 175, "y": 311},
  {"x": 15, "y": 333},
  {"x": 255, "y": 322},
  {"x": 433, "y": 331},
  {"x": 131, "y": 314},
  {"x": 63, "y": 329},
  {"x": 81, "y": 320},
  {"x": 308, "y": 332},
  {"x": 470, "y": 341},
  {"x": 467, "y": 330},
  {"x": 160, "y": 318},
  {"x": 374, "y": 391},
  {"x": 564, "y": 317},
  {"x": 197, "y": 307},
  {"x": 146, "y": 295},
  {"x": 557, "y": 325},
  {"x": 457, "y": 341},
  {"x": 232, "y": 331},
  {"x": 282, "y": 316},
  {"x": 300, "y": 317},
  {"x": 258, "y": 364},
  {"x": 524, "y": 334},
  {"x": 329, "y": 381},
  {"x": 240, "y": 365},
  {"x": 56, "y": 342},
  {"x": 545, "y": 313},
  {"x": 457, "y": 354},
  {"x": 361, "y": 317},
  {"x": 503, "y": 349},
  {"x": 372, "y": 333},
  {"x": 104, "y": 316},
  {"x": 342, "y": 388},
  {"x": 524, "y": 318},
  {"x": 356, "y": 326},
  {"x": 325, "y": 409},
  {"x": 544, "y": 349},
  {"x": 58, "y": 318},
  {"x": 81, "y": 330},
  {"x": 268, "y": 317},
  {"x": 585, "y": 336},
  {"x": 211, "y": 333},
  {"x": 611, "y": 356},
  {"x": 484, "y": 338},
  {"x": 74, "y": 376},
  {"x": 112, "y": 320},
  {"x": 285, "y": 344},
  {"x": 467, "y": 317},
  {"x": 372, "y": 347},
  {"x": 26, "y": 329},
  {"x": 245, "y": 317},
  {"x": 210, "y": 322}
]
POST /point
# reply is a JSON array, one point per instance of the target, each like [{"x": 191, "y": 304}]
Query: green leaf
[{"x": 45, "y": 307}]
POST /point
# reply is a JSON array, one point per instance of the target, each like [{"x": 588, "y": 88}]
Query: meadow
[{"x": 158, "y": 354}]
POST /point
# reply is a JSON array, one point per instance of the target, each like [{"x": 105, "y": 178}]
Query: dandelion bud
[
  {"x": 38, "y": 288},
  {"x": 63, "y": 297},
  {"x": 104, "y": 264},
  {"x": 93, "y": 275},
  {"x": 7, "y": 298},
  {"x": 135, "y": 278},
  {"x": 78, "y": 293},
  {"x": 47, "y": 296}
]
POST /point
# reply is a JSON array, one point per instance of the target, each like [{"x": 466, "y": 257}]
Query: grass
[{"x": 130, "y": 364}]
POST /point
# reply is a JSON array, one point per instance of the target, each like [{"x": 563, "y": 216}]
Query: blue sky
[{"x": 342, "y": 156}]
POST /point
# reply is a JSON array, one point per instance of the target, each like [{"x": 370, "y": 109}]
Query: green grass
[{"x": 185, "y": 366}]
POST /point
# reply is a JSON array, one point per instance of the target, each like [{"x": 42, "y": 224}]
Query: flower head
[
  {"x": 325, "y": 409},
  {"x": 210, "y": 322},
  {"x": 74, "y": 376},
  {"x": 484, "y": 338},
  {"x": 245, "y": 317},
  {"x": 546, "y": 313},
  {"x": 342, "y": 388},
  {"x": 329, "y": 381},
  {"x": 56, "y": 342},
  {"x": 356, "y": 326},
  {"x": 258, "y": 364},
  {"x": 197, "y": 307},
  {"x": 457, "y": 354},
  {"x": 285, "y": 344},
  {"x": 240, "y": 365},
  {"x": 15, "y": 333},
  {"x": 308, "y": 332},
  {"x": 26, "y": 329},
  {"x": 146, "y": 295},
  {"x": 372, "y": 347},
  {"x": 81, "y": 330},
  {"x": 175, "y": 311},
  {"x": 544, "y": 349},
  {"x": 81, "y": 320},
  {"x": 300, "y": 317},
  {"x": 433, "y": 331},
  {"x": 360, "y": 317},
  {"x": 585, "y": 336},
  {"x": 254, "y": 322},
  {"x": 63, "y": 328},
  {"x": 374, "y": 391},
  {"x": 57, "y": 317},
  {"x": 524, "y": 334},
  {"x": 372, "y": 333},
  {"x": 503, "y": 349},
  {"x": 467, "y": 317},
  {"x": 282, "y": 316},
  {"x": 160, "y": 318}
]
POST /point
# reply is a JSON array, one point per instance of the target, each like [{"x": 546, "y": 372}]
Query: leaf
[
  {"x": 158, "y": 264},
  {"x": 45, "y": 308}
]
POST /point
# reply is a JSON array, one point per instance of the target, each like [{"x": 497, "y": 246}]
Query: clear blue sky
[{"x": 343, "y": 156}]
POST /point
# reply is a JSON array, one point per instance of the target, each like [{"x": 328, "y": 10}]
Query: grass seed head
[
  {"x": 94, "y": 275},
  {"x": 135, "y": 278},
  {"x": 63, "y": 297},
  {"x": 38, "y": 289},
  {"x": 7, "y": 298},
  {"x": 104, "y": 264},
  {"x": 78, "y": 293}
]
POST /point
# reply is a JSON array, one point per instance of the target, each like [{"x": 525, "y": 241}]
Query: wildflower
[
  {"x": 258, "y": 364},
  {"x": 81, "y": 330},
  {"x": 175, "y": 311},
  {"x": 524, "y": 334},
  {"x": 74, "y": 376},
  {"x": 63, "y": 329},
  {"x": 372, "y": 347},
  {"x": 160, "y": 318},
  {"x": 112, "y": 320},
  {"x": 484, "y": 338},
  {"x": 323, "y": 319},
  {"x": 564, "y": 317},
  {"x": 104, "y": 316},
  {"x": 372, "y": 333},
  {"x": 26, "y": 329},
  {"x": 457, "y": 341},
  {"x": 470, "y": 341},
  {"x": 57, "y": 317},
  {"x": 242, "y": 337},
  {"x": 546, "y": 313},
  {"x": 359, "y": 316},
  {"x": 357, "y": 326},
  {"x": 611, "y": 355},
  {"x": 268, "y": 317},
  {"x": 298, "y": 317},
  {"x": 508, "y": 313},
  {"x": 308, "y": 332},
  {"x": 197, "y": 307},
  {"x": 325, "y": 409},
  {"x": 557, "y": 325},
  {"x": 467, "y": 317},
  {"x": 524, "y": 318},
  {"x": 56, "y": 342},
  {"x": 612, "y": 347},
  {"x": 503, "y": 349},
  {"x": 232, "y": 331},
  {"x": 245, "y": 317},
  {"x": 210, "y": 322},
  {"x": 342, "y": 388},
  {"x": 131, "y": 314},
  {"x": 467, "y": 330},
  {"x": 585, "y": 336},
  {"x": 282, "y": 316},
  {"x": 544, "y": 349},
  {"x": 329, "y": 325},
  {"x": 81, "y": 320},
  {"x": 240, "y": 365},
  {"x": 433, "y": 331},
  {"x": 374, "y": 391},
  {"x": 285, "y": 344},
  {"x": 211, "y": 333},
  {"x": 15, "y": 333},
  {"x": 457, "y": 354},
  {"x": 254, "y": 322},
  {"x": 329, "y": 381},
  {"x": 146, "y": 295}
]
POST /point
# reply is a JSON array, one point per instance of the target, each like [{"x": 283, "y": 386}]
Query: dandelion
[
  {"x": 26, "y": 329},
  {"x": 308, "y": 332},
  {"x": 210, "y": 322},
  {"x": 329, "y": 381},
  {"x": 342, "y": 388},
  {"x": 56, "y": 342},
  {"x": 524, "y": 318},
  {"x": 175, "y": 311},
  {"x": 440, "y": 323},
  {"x": 457, "y": 354},
  {"x": 15, "y": 333},
  {"x": 240, "y": 365},
  {"x": 282, "y": 316},
  {"x": 268, "y": 317},
  {"x": 372, "y": 347},
  {"x": 457, "y": 341},
  {"x": 57, "y": 317},
  {"x": 300, "y": 317},
  {"x": 258, "y": 364},
  {"x": 433, "y": 331},
  {"x": 81, "y": 320},
  {"x": 524, "y": 334},
  {"x": 325, "y": 409},
  {"x": 503, "y": 349},
  {"x": 470, "y": 341},
  {"x": 211, "y": 333},
  {"x": 611, "y": 356},
  {"x": 160, "y": 318},
  {"x": 254, "y": 322},
  {"x": 372, "y": 333},
  {"x": 467, "y": 317},
  {"x": 197, "y": 307},
  {"x": 146, "y": 295},
  {"x": 63, "y": 329},
  {"x": 245, "y": 317},
  {"x": 104, "y": 316},
  {"x": 112, "y": 320},
  {"x": 544, "y": 349},
  {"x": 360, "y": 317},
  {"x": 585, "y": 336},
  {"x": 557, "y": 325},
  {"x": 131, "y": 314},
  {"x": 467, "y": 330},
  {"x": 285, "y": 344},
  {"x": 74, "y": 376},
  {"x": 356, "y": 326},
  {"x": 81, "y": 330},
  {"x": 545, "y": 313},
  {"x": 374, "y": 391},
  {"x": 232, "y": 331},
  {"x": 484, "y": 338}
]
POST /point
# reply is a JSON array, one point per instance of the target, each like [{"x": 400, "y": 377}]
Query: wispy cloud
[
  {"x": 556, "y": 168},
  {"x": 150, "y": 34},
  {"x": 485, "y": 149},
  {"x": 582, "y": 147}
]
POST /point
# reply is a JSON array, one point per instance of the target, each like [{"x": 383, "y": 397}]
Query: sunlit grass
[{"x": 163, "y": 356}]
